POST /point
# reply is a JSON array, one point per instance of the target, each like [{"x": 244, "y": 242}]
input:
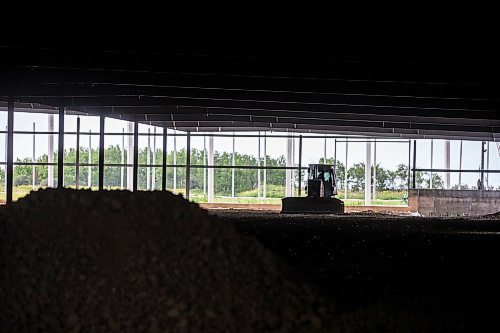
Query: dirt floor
[
  {"x": 85, "y": 261},
  {"x": 438, "y": 274}
]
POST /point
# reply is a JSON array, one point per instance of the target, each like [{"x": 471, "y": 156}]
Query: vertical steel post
[
  {"x": 101, "y": 152},
  {"x": 265, "y": 165},
  {"x": 409, "y": 165},
  {"x": 345, "y": 168},
  {"x": 460, "y": 168},
  {"x": 368, "y": 174},
  {"x": 210, "y": 173},
  {"x": 487, "y": 164},
  {"x": 414, "y": 164},
  {"x": 258, "y": 166},
  {"x": 324, "y": 151},
  {"x": 175, "y": 162},
  {"x": 153, "y": 168},
  {"x": 5, "y": 156},
  {"x": 77, "y": 161},
  {"x": 447, "y": 164},
  {"x": 136, "y": 156},
  {"x": 335, "y": 157},
  {"x": 335, "y": 163},
  {"x": 10, "y": 150},
  {"x": 293, "y": 164},
  {"x": 164, "y": 161},
  {"x": 60, "y": 150},
  {"x": 205, "y": 164},
  {"x": 300, "y": 166},
  {"x": 122, "y": 159},
  {"x": 89, "y": 175},
  {"x": 375, "y": 171},
  {"x": 130, "y": 156},
  {"x": 148, "y": 162},
  {"x": 232, "y": 170},
  {"x": 33, "y": 173},
  {"x": 432, "y": 163},
  {"x": 188, "y": 163},
  {"x": 288, "y": 172},
  {"x": 50, "y": 157},
  {"x": 481, "y": 187}
]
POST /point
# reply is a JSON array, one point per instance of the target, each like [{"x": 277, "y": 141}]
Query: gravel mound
[{"x": 82, "y": 261}]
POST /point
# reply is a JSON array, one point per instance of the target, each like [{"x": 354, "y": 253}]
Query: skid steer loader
[{"x": 321, "y": 189}]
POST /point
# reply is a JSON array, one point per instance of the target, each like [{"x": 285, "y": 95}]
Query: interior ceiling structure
[{"x": 386, "y": 82}]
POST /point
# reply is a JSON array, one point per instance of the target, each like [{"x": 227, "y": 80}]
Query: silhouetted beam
[
  {"x": 284, "y": 65},
  {"x": 198, "y": 113},
  {"x": 102, "y": 90},
  {"x": 158, "y": 102},
  {"x": 330, "y": 83},
  {"x": 328, "y": 118},
  {"x": 350, "y": 133}
]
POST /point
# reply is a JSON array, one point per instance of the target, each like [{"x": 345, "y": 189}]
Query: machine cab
[{"x": 321, "y": 181}]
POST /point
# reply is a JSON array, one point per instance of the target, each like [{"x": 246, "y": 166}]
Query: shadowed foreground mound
[{"x": 81, "y": 261}]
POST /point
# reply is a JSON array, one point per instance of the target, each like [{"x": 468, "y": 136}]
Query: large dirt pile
[{"x": 81, "y": 261}]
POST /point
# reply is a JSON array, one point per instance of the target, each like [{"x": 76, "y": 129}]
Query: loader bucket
[{"x": 311, "y": 205}]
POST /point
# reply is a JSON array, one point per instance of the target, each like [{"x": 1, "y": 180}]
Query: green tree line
[
  {"x": 245, "y": 179},
  {"x": 385, "y": 179}
]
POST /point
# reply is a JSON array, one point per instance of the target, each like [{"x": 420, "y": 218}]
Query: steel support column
[
  {"x": 33, "y": 158},
  {"x": 130, "y": 156},
  {"x": 89, "y": 161},
  {"x": 136, "y": 156},
  {"x": 368, "y": 174},
  {"x": 175, "y": 162},
  {"x": 204, "y": 163},
  {"x": 210, "y": 172},
  {"x": 374, "y": 197},
  {"x": 483, "y": 150},
  {"x": 447, "y": 164},
  {"x": 164, "y": 161},
  {"x": 101, "y": 152},
  {"x": 432, "y": 164},
  {"x": 265, "y": 165},
  {"x": 122, "y": 159},
  {"x": 232, "y": 170},
  {"x": 10, "y": 150},
  {"x": 414, "y": 164},
  {"x": 487, "y": 164},
  {"x": 258, "y": 165},
  {"x": 300, "y": 166},
  {"x": 77, "y": 166},
  {"x": 324, "y": 151},
  {"x": 60, "y": 150},
  {"x": 153, "y": 168},
  {"x": 188, "y": 163},
  {"x": 409, "y": 164},
  {"x": 460, "y": 167},
  {"x": 288, "y": 172},
  {"x": 335, "y": 159},
  {"x": 345, "y": 168},
  {"x": 148, "y": 162},
  {"x": 50, "y": 157}
]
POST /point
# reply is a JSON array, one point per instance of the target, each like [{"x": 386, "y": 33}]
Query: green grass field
[{"x": 384, "y": 198}]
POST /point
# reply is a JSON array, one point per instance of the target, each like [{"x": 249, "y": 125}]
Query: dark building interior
[{"x": 255, "y": 271}]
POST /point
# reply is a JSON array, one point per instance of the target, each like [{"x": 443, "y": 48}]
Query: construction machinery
[{"x": 321, "y": 189}]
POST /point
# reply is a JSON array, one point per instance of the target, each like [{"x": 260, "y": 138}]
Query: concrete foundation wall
[
  {"x": 425, "y": 202},
  {"x": 454, "y": 203}
]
